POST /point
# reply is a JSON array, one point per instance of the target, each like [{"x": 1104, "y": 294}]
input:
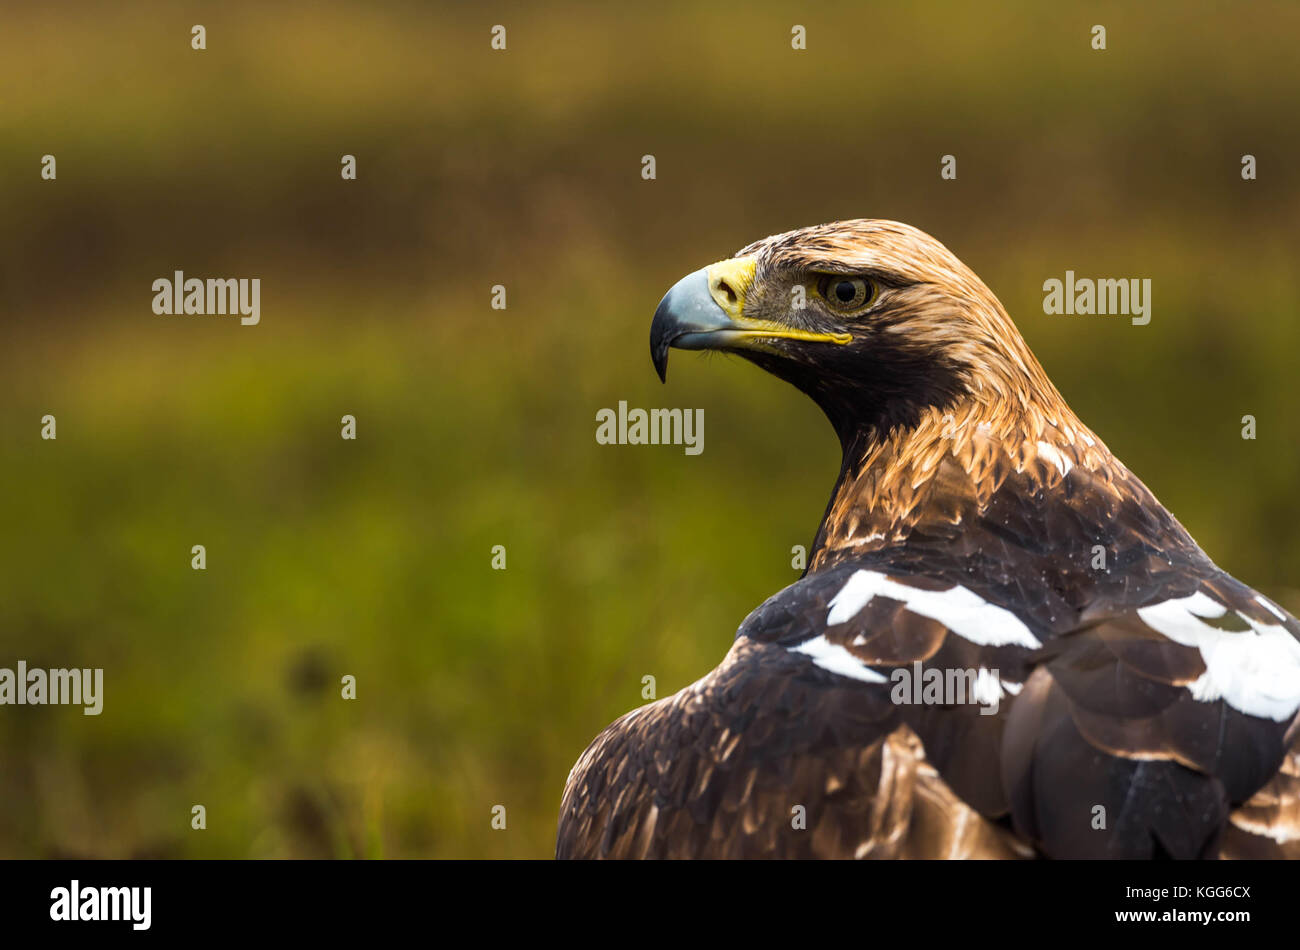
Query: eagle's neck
[{"x": 931, "y": 480}]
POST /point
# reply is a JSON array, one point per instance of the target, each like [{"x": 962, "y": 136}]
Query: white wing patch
[
  {"x": 837, "y": 659},
  {"x": 961, "y": 611},
  {"x": 1256, "y": 671}
]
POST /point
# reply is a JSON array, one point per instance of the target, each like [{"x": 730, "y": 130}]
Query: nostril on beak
[
  {"x": 729, "y": 283},
  {"x": 725, "y": 293}
]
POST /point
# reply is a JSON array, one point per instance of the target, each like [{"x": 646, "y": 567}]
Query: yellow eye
[{"x": 847, "y": 294}]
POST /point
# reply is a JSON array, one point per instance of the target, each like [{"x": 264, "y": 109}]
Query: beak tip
[
  {"x": 687, "y": 307},
  {"x": 663, "y": 330},
  {"x": 660, "y": 359}
]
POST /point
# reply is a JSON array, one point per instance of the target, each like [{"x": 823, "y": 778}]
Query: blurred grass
[{"x": 476, "y": 427}]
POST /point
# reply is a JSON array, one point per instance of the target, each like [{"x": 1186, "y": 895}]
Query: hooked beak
[{"x": 706, "y": 311}]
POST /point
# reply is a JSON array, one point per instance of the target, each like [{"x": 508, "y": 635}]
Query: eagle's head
[
  {"x": 940, "y": 407},
  {"x": 875, "y": 320}
]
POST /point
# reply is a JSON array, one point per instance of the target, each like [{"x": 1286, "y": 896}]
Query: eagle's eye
[{"x": 847, "y": 294}]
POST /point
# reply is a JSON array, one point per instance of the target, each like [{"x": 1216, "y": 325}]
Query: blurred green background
[{"x": 476, "y": 427}]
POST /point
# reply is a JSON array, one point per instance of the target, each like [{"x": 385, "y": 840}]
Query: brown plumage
[{"x": 1126, "y": 697}]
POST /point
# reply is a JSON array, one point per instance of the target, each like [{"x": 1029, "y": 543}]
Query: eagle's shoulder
[
  {"x": 1125, "y": 718},
  {"x": 1155, "y": 720}
]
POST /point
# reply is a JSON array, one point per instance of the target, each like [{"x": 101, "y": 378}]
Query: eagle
[{"x": 1003, "y": 645}]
